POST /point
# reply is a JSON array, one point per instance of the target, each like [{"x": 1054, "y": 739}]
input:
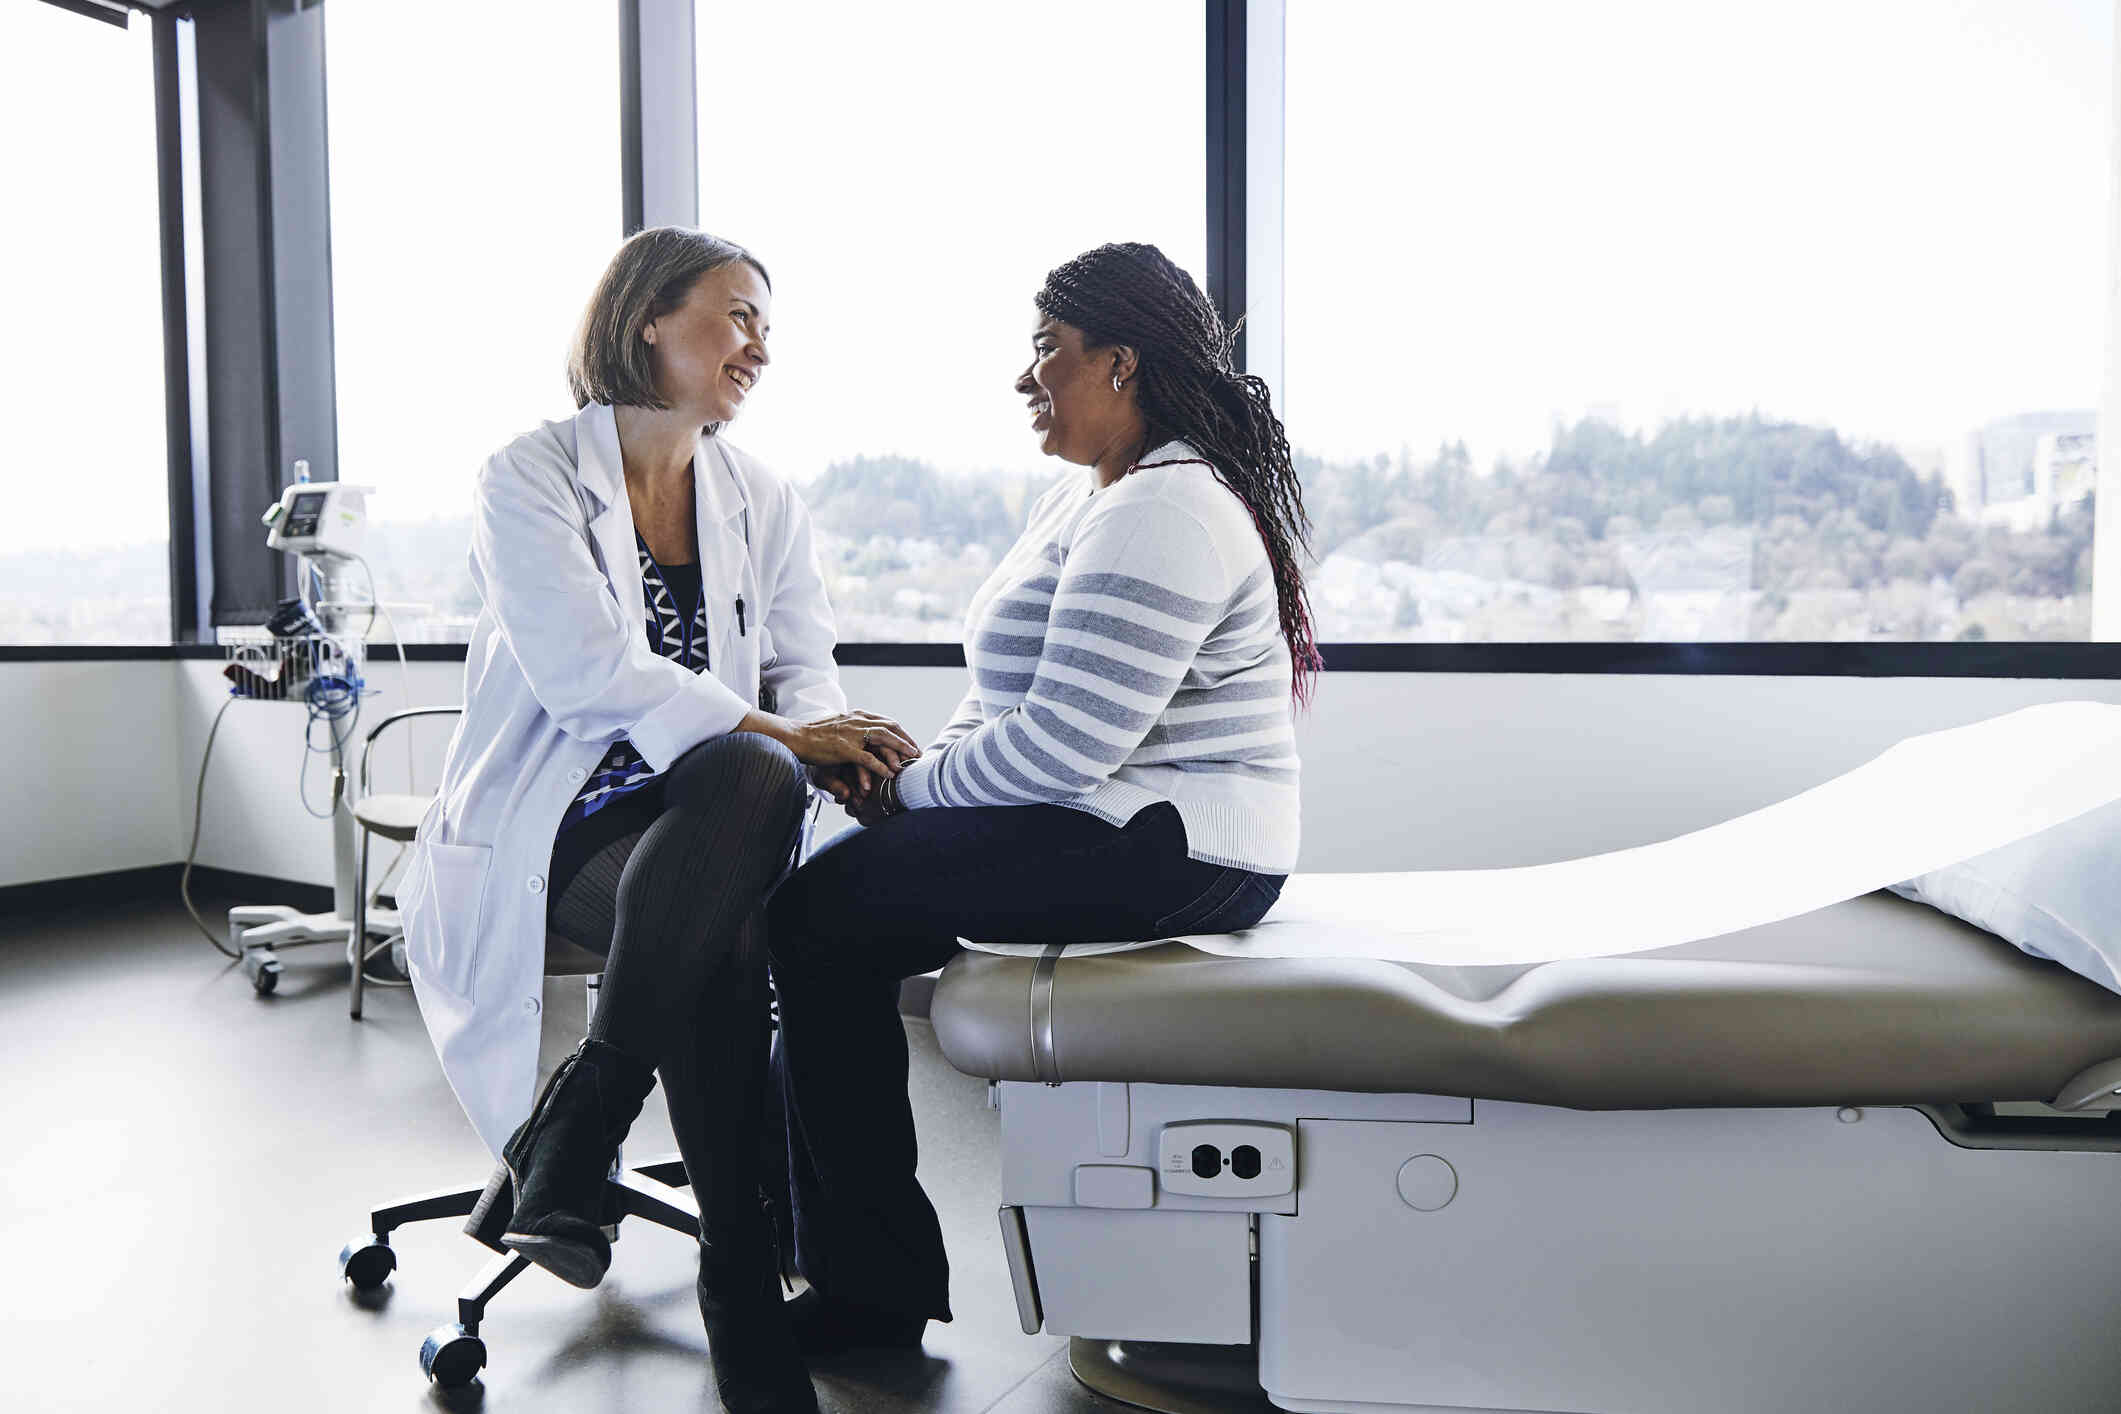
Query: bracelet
[{"x": 887, "y": 797}]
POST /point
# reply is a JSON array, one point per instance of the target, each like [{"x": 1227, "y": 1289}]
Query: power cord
[
  {"x": 397, "y": 639},
  {"x": 198, "y": 801},
  {"x": 331, "y": 699}
]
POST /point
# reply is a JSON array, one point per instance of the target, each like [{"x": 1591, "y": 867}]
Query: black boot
[
  {"x": 757, "y": 1367},
  {"x": 827, "y": 1327},
  {"x": 559, "y": 1160}
]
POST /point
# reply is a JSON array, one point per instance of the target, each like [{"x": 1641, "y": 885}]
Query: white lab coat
[{"x": 559, "y": 668}]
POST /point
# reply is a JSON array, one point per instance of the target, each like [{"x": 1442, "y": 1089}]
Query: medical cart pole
[
  {"x": 321, "y": 524},
  {"x": 332, "y": 611}
]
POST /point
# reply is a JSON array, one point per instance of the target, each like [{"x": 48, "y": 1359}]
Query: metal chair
[{"x": 394, "y": 817}]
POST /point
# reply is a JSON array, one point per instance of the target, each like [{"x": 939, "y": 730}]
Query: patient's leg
[{"x": 889, "y": 902}]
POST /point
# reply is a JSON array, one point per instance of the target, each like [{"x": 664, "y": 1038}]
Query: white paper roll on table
[{"x": 1922, "y": 804}]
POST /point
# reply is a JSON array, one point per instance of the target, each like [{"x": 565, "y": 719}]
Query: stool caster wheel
[
  {"x": 367, "y": 1263},
  {"x": 263, "y": 969},
  {"x": 451, "y": 1358}
]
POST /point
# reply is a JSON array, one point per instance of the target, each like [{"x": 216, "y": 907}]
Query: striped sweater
[{"x": 1128, "y": 650}]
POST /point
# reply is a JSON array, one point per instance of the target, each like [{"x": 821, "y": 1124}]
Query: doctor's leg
[{"x": 731, "y": 809}]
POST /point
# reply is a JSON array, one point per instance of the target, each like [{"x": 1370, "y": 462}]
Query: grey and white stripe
[{"x": 1128, "y": 650}]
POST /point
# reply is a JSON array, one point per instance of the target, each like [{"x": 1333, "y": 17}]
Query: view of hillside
[
  {"x": 1738, "y": 529},
  {"x": 1726, "y": 530}
]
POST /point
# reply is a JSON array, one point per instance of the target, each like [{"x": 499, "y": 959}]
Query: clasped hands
[{"x": 851, "y": 755}]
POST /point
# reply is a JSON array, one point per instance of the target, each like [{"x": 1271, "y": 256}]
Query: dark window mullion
[
  {"x": 176, "y": 344},
  {"x": 632, "y": 185},
  {"x": 1226, "y": 162}
]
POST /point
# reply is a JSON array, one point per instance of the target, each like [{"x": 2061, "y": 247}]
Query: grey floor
[{"x": 183, "y": 1159}]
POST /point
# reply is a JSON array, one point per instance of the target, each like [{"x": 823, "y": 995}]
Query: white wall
[
  {"x": 1401, "y": 770},
  {"x": 1446, "y": 771},
  {"x": 1477, "y": 770},
  {"x": 254, "y": 817},
  {"x": 88, "y": 768}
]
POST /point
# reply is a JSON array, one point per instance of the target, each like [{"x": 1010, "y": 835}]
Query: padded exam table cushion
[{"x": 1874, "y": 1001}]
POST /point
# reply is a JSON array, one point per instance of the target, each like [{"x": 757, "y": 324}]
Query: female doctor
[{"x": 649, "y": 677}]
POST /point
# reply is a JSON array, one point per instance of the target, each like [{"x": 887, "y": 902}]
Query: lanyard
[{"x": 686, "y": 622}]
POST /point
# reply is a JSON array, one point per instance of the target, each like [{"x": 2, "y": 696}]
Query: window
[
  {"x": 84, "y": 548},
  {"x": 474, "y": 201},
  {"x": 908, "y": 175},
  {"x": 1653, "y": 320}
]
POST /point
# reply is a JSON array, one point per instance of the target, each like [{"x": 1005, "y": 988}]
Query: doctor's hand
[{"x": 874, "y": 746}]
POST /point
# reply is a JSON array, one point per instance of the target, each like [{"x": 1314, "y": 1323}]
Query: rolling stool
[
  {"x": 452, "y": 1355},
  {"x": 657, "y": 1191}
]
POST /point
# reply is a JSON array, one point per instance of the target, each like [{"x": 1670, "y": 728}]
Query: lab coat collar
[
  {"x": 723, "y": 529},
  {"x": 716, "y": 487},
  {"x": 717, "y": 490}
]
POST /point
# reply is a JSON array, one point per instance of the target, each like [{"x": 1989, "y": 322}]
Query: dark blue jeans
[{"x": 890, "y": 902}]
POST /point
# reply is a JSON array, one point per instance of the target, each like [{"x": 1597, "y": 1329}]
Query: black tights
[{"x": 685, "y": 976}]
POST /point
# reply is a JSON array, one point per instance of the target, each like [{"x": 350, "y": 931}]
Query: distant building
[
  {"x": 2018, "y": 471},
  {"x": 2065, "y": 466}
]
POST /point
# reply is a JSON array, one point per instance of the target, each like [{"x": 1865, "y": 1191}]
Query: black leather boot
[
  {"x": 757, "y": 1367},
  {"x": 827, "y": 1327},
  {"x": 558, "y": 1161}
]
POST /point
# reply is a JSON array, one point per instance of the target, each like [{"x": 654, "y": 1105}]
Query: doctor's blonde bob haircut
[{"x": 650, "y": 276}]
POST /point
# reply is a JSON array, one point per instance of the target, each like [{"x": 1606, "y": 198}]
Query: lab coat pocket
[{"x": 447, "y": 952}]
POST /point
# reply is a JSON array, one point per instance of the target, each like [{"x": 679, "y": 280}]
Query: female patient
[
  {"x": 650, "y": 675},
  {"x": 1122, "y": 768}
]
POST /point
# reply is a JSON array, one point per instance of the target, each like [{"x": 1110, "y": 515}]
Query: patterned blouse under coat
[{"x": 622, "y": 771}]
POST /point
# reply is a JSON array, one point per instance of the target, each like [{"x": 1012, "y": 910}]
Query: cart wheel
[
  {"x": 451, "y": 1358},
  {"x": 367, "y": 1263},
  {"x": 263, "y": 969}
]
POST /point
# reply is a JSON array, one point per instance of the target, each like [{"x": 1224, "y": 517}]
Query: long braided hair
[{"x": 1189, "y": 390}]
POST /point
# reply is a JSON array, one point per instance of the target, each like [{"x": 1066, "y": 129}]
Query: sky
[
  {"x": 80, "y": 284},
  {"x": 1889, "y": 215}
]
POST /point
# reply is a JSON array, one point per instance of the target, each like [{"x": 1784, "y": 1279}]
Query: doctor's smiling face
[{"x": 710, "y": 350}]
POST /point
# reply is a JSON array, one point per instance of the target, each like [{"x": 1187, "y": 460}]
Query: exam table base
[
  {"x": 1172, "y": 1379},
  {"x": 1438, "y": 1254}
]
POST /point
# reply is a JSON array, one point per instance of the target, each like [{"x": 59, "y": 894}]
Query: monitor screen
[{"x": 303, "y": 516}]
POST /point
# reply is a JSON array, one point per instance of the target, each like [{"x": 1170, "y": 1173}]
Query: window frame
[
  {"x": 1243, "y": 54},
  {"x": 2098, "y": 657}
]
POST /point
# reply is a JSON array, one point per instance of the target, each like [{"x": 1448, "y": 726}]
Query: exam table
[{"x": 1860, "y": 1160}]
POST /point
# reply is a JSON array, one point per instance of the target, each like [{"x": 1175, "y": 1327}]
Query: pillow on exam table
[{"x": 2056, "y": 895}]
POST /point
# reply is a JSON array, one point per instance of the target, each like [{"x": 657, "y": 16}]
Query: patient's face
[
  {"x": 710, "y": 351},
  {"x": 1069, "y": 394}
]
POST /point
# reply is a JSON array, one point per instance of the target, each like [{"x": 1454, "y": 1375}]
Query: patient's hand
[
  {"x": 866, "y": 811},
  {"x": 835, "y": 781},
  {"x": 855, "y": 786}
]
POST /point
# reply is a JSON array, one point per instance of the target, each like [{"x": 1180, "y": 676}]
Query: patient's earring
[{"x": 1115, "y": 382}]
